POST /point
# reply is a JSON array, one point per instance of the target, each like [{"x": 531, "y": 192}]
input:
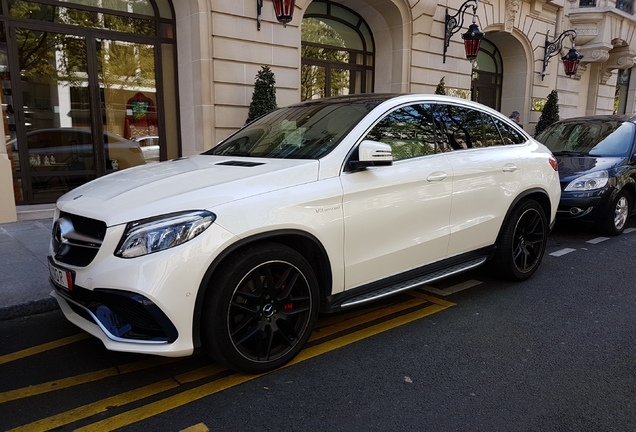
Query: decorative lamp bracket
[
  {"x": 455, "y": 22},
  {"x": 570, "y": 61}
]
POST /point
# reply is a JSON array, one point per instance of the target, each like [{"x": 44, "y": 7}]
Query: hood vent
[{"x": 240, "y": 163}]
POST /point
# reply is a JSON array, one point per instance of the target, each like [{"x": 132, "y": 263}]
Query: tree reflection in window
[
  {"x": 337, "y": 52},
  {"x": 410, "y": 131}
]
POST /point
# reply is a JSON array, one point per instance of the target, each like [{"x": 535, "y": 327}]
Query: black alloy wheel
[
  {"x": 262, "y": 309},
  {"x": 522, "y": 241}
]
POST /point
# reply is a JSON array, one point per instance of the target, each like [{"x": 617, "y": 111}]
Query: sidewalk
[{"x": 24, "y": 285}]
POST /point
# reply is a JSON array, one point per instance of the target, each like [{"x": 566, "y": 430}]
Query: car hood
[
  {"x": 194, "y": 183},
  {"x": 571, "y": 167}
]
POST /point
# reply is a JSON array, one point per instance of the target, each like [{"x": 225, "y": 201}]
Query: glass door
[
  {"x": 84, "y": 88},
  {"x": 78, "y": 122},
  {"x": 128, "y": 94},
  {"x": 53, "y": 141}
]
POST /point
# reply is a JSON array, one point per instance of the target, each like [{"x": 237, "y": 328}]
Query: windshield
[
  {"x": 307, "y": 131},
  {"x": 589, "y": 138}
]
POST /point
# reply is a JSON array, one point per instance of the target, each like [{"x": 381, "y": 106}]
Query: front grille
[{"x": 77, "y": 239}]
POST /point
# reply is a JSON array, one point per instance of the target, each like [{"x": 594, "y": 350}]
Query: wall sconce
[
  {"x": 284, "y": 10},
  {"x": 472, "y": 38},
  {"x": 570, "y": 61}
]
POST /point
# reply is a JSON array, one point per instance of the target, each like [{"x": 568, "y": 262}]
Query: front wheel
[
  {"x": 260, "y": 308},
  {"x": 614, "y": 221},
  {"x": 521, "y": 242}
]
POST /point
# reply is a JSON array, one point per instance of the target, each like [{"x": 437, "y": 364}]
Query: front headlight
[
  {"x": 153, "y": 235},
  {"x": 589, "y": 182}
]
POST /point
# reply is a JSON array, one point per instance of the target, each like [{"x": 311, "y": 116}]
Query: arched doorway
[
  {"x": 337, "y": 52},
  {"x": 487, "y": 76},
  {"x": 87, "y": 91}
]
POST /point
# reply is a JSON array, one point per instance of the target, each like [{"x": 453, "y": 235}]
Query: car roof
[
  {"x": 379, "y": 98},
  {"x": 600, "y": 118}
]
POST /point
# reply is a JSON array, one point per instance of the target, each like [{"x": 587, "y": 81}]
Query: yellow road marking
[
  {"x": 122, "y": 399},
  {"x": 188, "y": 396},
  {"x": 81, "y": 379},
  {"x": 197, "y": 428},
  {"x": 327, "y": 320},
  {"x": 431, "y": 299},
  {"x": 340, "y": 324},
  {"x": 365, "y": 333},
  {"x": 362, "y": 319},
  {"x": 453, "y": 289},
  {"x": 41, "y": 348},
  {"x": 98, "y": 407}
]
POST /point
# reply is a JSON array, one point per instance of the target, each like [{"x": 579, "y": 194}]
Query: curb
[{"x": 27, "y": 309}]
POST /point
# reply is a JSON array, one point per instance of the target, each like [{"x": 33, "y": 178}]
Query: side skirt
[{"x": 407, "y": 281}]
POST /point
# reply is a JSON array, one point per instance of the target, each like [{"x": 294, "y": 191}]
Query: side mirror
[
  {"x": 373, "y": 153},
  {"x": 632, "y": 160}
]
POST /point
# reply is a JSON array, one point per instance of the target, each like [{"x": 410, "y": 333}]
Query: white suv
[{"x": 316, "y": 207}]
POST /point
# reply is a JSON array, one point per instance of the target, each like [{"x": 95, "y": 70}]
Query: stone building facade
[{"x": 208, "y": 52}]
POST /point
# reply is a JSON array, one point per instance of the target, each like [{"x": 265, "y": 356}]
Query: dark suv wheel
[
  {"x": 260, "y": 308},
  {"x": 522, "y": 240}
]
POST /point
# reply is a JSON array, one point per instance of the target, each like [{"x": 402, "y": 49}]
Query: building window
[
  {"x": 337, "y": 52},
  {"x": 587, "y": 3},
  {"x": 487, "y": 76},
  {"x": 625, "y": 5},
  {"x": 88, "y": 89},
  {"x": 622, "y": 88}
]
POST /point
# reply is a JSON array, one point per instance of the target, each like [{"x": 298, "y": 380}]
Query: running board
[{"x": 415, "y": 282}]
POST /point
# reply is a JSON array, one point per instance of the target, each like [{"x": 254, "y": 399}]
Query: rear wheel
[
  {"x": 260, "y": 308},
  {"x": 617, "y": 215},
  {"x": 521, "y": 242}
]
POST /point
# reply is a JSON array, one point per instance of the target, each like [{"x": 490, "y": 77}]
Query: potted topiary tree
[
  {"x": 441, "y": 87},
  {"x": 264, "y": 96},
  {"x": 549, "y": 114}
]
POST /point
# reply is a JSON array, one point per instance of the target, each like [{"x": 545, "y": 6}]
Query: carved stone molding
[
  {"x": 581, "y": 70},
  {"x": 619, "y": 58},
  {"x": 605, "y": 75},
  {"x": 594, "y": 53},
  {"x": 512, "y": 8}
]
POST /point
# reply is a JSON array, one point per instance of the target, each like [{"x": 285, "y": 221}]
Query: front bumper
[
  {"x": 144, "y": 304},
  {"x": 122, "y": 316},
  {"x": 585, "y": 206}
]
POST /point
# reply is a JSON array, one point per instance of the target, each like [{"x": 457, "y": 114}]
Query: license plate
[{"x": 61, "y": 277}]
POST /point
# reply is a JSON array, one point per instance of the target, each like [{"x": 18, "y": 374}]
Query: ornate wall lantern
[
  {"x": 284, "y": 10},
  {"x": 472, "y": 38},
  {"x": 570, "y": 61}
]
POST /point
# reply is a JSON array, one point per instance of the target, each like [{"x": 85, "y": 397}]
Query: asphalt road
[{"x": 555, "y": 353}]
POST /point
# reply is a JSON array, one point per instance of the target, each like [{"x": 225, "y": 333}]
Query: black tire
[
  {"x": 618, "y": 212},
  {"x": 260, "y": 308},
  {"x": 521, "y": 243}
]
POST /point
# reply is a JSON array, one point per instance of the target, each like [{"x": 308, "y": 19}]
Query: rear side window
[
  {"x": 463, "y": 128},
  {"x": 509, "y": 134}
]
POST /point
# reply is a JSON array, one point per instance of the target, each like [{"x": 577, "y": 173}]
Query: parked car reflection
[
  {"x": 73, "y": 149},
  {"x": 149, "y": 147}
]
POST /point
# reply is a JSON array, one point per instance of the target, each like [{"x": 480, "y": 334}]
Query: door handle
[
  {"x": 436, "y": 176},
  {"x": 509, "y": 168}
]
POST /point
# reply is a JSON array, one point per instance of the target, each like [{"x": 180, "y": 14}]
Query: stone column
[{"x": 7, "y": 199}]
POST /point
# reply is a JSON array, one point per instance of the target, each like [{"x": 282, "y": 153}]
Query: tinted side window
[
  {"x": 508, "y": 133},
  {"x": 491, "y": 132},
  {"x": 460, "y": 127},
  {"x": 408, "y": 130}
]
